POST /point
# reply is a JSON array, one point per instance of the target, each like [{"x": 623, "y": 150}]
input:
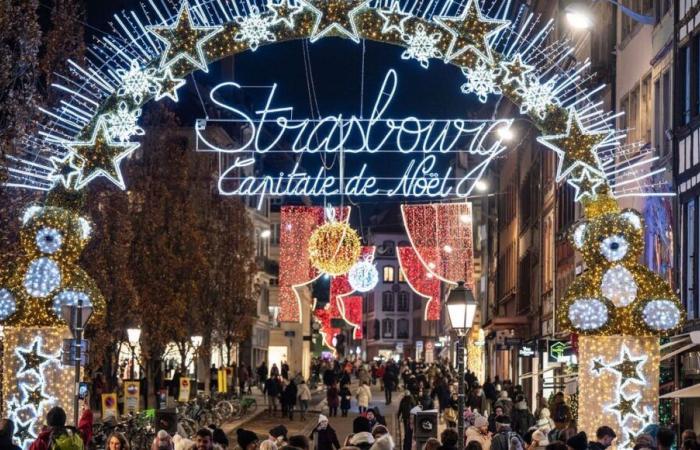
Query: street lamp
[
  {"x": 134, "y": 335},
  {"x": 196, "y": 343},
  {"x": 461, "y": 309},
  {"x": 578, "y": 16}
]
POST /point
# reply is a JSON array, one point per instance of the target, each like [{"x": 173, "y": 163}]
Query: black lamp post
[{"x": 461, "y": 310}]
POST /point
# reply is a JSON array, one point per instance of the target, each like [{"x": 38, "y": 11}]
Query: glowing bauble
[
  {"x": 334, "y": 248},
  {"x": 8, "y": 306},
  {"x": 588, "y": 314},
  {"x": 43, "y": 277},
  {"x": 619, "y": 286},
  {"x": 363, "y": 276},
  {"x": 661, "y": 315}
]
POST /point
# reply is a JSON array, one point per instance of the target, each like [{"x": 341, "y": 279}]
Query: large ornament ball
[
  {"x": 363, "y": 276},
  {"x": 334, "y": 248}
]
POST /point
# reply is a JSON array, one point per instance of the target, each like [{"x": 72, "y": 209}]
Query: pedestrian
[
  {"x": 273, "y": 390},
  {"x": 325, "y": 437},
  {"x": 261, "y": 371},
  {"x": 604, "y": 438},
  {"x": 497, "y": 412},
  {"x": 665, "y": 438},
  {"x": 274, "y": 370},
  {"x": 218, "y": 437},
  {"x": 85, "y": 423},
  {"x": 389, "y": 384},
  {"x": 278, "y": 436},
  {"x": 505, "y": 403},
  {"x": 285, "y": 370},
  {"x": 363, "y": 395},
  {"x": 56, "y": 436},
  {"x": 479, "y": 432},
  {"x": 289, "y": 397},
  {"x": 345, "y": 400},
  {"x": 688, "y": 444},
  {"x": 406, "y": 404},
  {"x": 247, "y": 440},
  {"x": 474, "y": 445},
  {"x": 299, "y": 441},
  {"x": 162, "y": 441},
  {"x": 362, "y": 440},
  {"x": 578, "y": 441},
  {"x": 7, "y": 432},
  {"x": 506, "y": 438},
  {"x": 538, "y": 440},
  {"x": 449, "y": 439},
  {"x": 431, "y": 444},
  {"x": 203, "y": 440},
  {"x": 304, "y": 394},
  {"x": 521, "y": 416},
  {"x": 333, "y": 400},
  {"x": 116, "y": 441},
  {"x": 382, "y": 439}
]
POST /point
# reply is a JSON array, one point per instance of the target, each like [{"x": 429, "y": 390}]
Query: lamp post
[
  {"x": 134, "y": 336},
  {"x": 461, "y": 309},
  {"x": 196, "y": 343}
]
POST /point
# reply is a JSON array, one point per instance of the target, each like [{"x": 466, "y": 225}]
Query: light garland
[
  {"x": 8, "y": 305},
  {"x": 43, "y": 277},
  {"x": 481, "y": 80},
  {"x": 619, "y": 286},
  {"x": 123, "y": 123},
  {"x": 588, "y": 314},
  {"x": 137, "y": 83},
  {"x": 420, "y": 280},
  {"x": 334, "y": 248},
  {"x": 255, "y": 29}
]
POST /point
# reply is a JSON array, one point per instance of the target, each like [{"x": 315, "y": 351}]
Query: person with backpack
[
  {"x": 56, "y": 436},
  {"x": 506, "y": 438},
  {"x": 522, "y": 418}
]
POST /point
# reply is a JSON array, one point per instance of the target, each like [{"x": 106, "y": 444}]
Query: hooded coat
[{"x": 326, "y": 438}]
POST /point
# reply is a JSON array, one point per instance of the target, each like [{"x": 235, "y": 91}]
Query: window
[
  {"x": 623, "y": 120},
  {"x": 506, "y": 206},
  {"x": 566, "y": 212},
  {"x": 548, "y": 254},
  {"x": 388, "y": 274},
  {"x": 633, "y": 116},
  {"x": 686, "y": 80},
  {"x": 403, "y": 301},
  {"x": 402, "y": 329},
  {"x": 388, "y": 301},
  {"x": 645, "y": 123},
  {"x": 662, "y": 7},
  {"x": 388, "y": 328},
  {"x": 417, "y": 302},
  {"x": 689, "y": 268},
  {"x": 667, "y": 110},
  {"x": 369, "y": 301},
  {"x": 402, "y": 278},
  {"x": 377, "y": 334},
  {"x": 275, "y": 235}
]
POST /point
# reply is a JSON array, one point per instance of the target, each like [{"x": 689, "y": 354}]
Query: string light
[
  {"x": 661, "y": 315},
  {"x": 43, "y": 277},
  {"x": 420, "y": 281},
  {"x": 69, "y": 298},
  {"x": 334, "y": 248},
  {"x": 49, "y": 240},
  {"x": 421, "y": 46},
  {"x": 481, "y": 80},
  {"x": 588, "y": 314},
  {"x": 8, "y": 306},
  {"x": 123, "y": 123},
  {"x": 335, "y": 17},
  {"x": 255, "y": 29},
  {"x": 136, "y": 82}
]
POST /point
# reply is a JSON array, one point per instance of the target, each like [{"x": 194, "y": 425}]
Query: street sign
[
  {"x": 559, "y": 351},
  {"x": 69, "y": 351},
  {"x": 289, "y": 333},
  {"x": 74, "y": 320}
]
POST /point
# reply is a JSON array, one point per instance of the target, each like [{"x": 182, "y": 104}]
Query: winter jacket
[
  {"x": 593, "y": 445},
  {"x": 42, "y": 442},
  {"x": 332, "y": 397},
  {"x": 362, "y": 440},
  {"x": 345, "y": 398},
  {"x": 405, "y": 406},
  {"x": 384, "y": 442},
  {"x": 85, "y": 426},
  {"x": 272, "y": 387},
  {"x": 6, "y": 443},
  {"x": 521, "y": 418},
  {"x": 326, "y": 439},
  {"x": 289, "y": 396},
  {"x": 474, "y": 434},
  {"x": 505, "y": 403},
  {"x": 303, "y": 392},
  {"x": 502, "y": 440},
  {"x": 364, "y": 395}
]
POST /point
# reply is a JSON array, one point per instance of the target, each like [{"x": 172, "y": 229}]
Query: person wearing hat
[
  {"x": 247, "y": 440},
  {"x": 539, "y": 439},
  {"x": 56, "y": 435},
  {"x": 325, "y": 436},
  {"x": 278, "y": 435},
  {"x": 577, "y": 442},
  {"x": 479, "y": 432},
  {"x": 506, "y": 438}
]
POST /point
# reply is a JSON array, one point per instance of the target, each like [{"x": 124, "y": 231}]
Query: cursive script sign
[{"x": 353, "y": 152}]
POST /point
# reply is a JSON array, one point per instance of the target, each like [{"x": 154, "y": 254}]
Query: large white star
[
  {"x": 394, "y": 19},
  {"x": 335, "y": 16},
  {"x": 184, "y": 40}
]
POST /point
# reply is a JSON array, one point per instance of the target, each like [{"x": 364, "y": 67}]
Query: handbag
[{"x": 450, "y": 415}]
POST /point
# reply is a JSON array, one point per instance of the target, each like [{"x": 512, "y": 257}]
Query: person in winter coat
[
  {"x": 163, "y": 441},
  {"x": 272, "y": 389},
  {"x": 247, "y": 440},
  {"x": 521, "y": 418},
  {"x": 383, "y": 442},
  {"x": 116, "y": 441},
  {"x": 56, "y": 436},
  {"x": 85, "y": 424},
  {"x": 497, "y": 412},
  {"x": 362, "y": 440},
  {"x": 389, "y": 384},
  {"x": 329, "y": 377},
  {"x": 345, "y": 397},
  {"x": 7, "y": 432},
  {"x": 479, "y": 432},
  {"x": 289, "y": 399},
  {"x": 274, "y": 370},
  {"x": 441, "y": 391},
  {"x": 261, "y": 371},
  {"x": 325, "y": 438},
  {"x": 333, "y": 400},
  {"x": 604, "y": 438},
  {"x": 364, "y": 395},
  {"x": 539, "y": 440},
  {"x": 506, "y": 438},
  {"x": 304, "y": 394},
  {"x": 406, "y": 404},
  {"x": 381, "y": 370},
  {"x": 504, "y": 402},
  {"x": 449, "y": 439}
]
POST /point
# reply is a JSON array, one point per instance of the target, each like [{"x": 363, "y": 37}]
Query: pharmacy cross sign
[
  {"x": 409, "y": 143},
  {"x": 95, "y": 130}
]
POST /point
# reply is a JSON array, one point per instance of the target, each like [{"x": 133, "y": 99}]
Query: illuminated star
[
  {"x": 101, "y": 156},
  {"x": 585, "y": 185},
  {"x": 32, "y": 359},
  {"x": 64, "y": 170},
  {"x": 629, "y": 369},
  {"x": 184, "y": 39},
  {"x": 394, "y": 19},
  {"x": 23, "y": 432},
  {"x": 598, "y": 366},
  {"x": 168, "y": 85},
  {"x": 335, "y": 17},
  {"x": 13, "y": 406},
  {"x": 515, "y": 70},
  {"x": 576, "y": 147},
  {"x": 34, "y": 395},
  {"x": 284, "y": 12},
  {"x": 626, "y": 407},
  {"x": 470, "y": 31}
]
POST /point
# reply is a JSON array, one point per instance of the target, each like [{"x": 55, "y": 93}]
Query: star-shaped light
[
  {"x": 515, "y": 70},
  {"x": 32, "y": 359},
  {"x": 34, "y": 395},
  {"x": 168, "y": 85},
  {"x": 23, "y": 432},
  {"x": 598, "y": 366},
  {"x": 470, "y": 32},
  {"x": 394, "y": 19},
  {"x": 101, "y": 156},
  {"x": 184, "y": 40},
  {"x": 284, "y": 12},
  {"x": 64, "y": 170},
  {"x": 586, "y": 184},
  {"x": 629, "y": 368},
  {"x": 576, "y": 147},
  {"x": 626, "y": 407},
  {"x": 335, "y": 16}
]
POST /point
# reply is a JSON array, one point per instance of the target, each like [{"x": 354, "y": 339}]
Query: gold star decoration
[
  {"x": 35, "y": 395},
  {"x": 515, "y": 70},
  {"x": 168, "y": 85},
  {"x": 335, "y": 17},
  {"x": 629, "y": 369},
  {"x": 183, "y": 39},
  {"x": 394, "y": 19},
  {"x": 64, "y": 170},
  {"x": 284, "y": 12},
  {"x": 626, "y": 407},
  {"x": 470, "y": 32},
  {"x": 586, "y": 184},
  {"x": 576, "y": 147},
  {"x": 598, "y": 366},
  {"x": 24, "y": 431},
  {"x": 101, "y": 156},
  {"x": 31, "y": 359}
]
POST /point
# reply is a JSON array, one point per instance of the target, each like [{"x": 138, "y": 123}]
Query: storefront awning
[
  {"x": 689, "y": 392},
  {"x": 689, "y": 341}
]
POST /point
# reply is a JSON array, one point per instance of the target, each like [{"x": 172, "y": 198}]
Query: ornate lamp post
[
  {"x": 134, "y": 335},
  {"x": 196, "y": 343},
  {"x": 461, "y": 309}
]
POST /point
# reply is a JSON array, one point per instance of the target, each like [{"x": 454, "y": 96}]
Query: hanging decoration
[
  {"x": 363, "y": 276},
  {"x": 420, "y": 280},
  {"x": 342, "y": 303},
  {"x": 334, "y": 248}
]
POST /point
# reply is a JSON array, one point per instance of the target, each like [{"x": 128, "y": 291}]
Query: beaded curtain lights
[
  {"x": 620, "y": 308},
  {"x": 32, "y": 292},
  {"x": 421, "y": 281}
]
